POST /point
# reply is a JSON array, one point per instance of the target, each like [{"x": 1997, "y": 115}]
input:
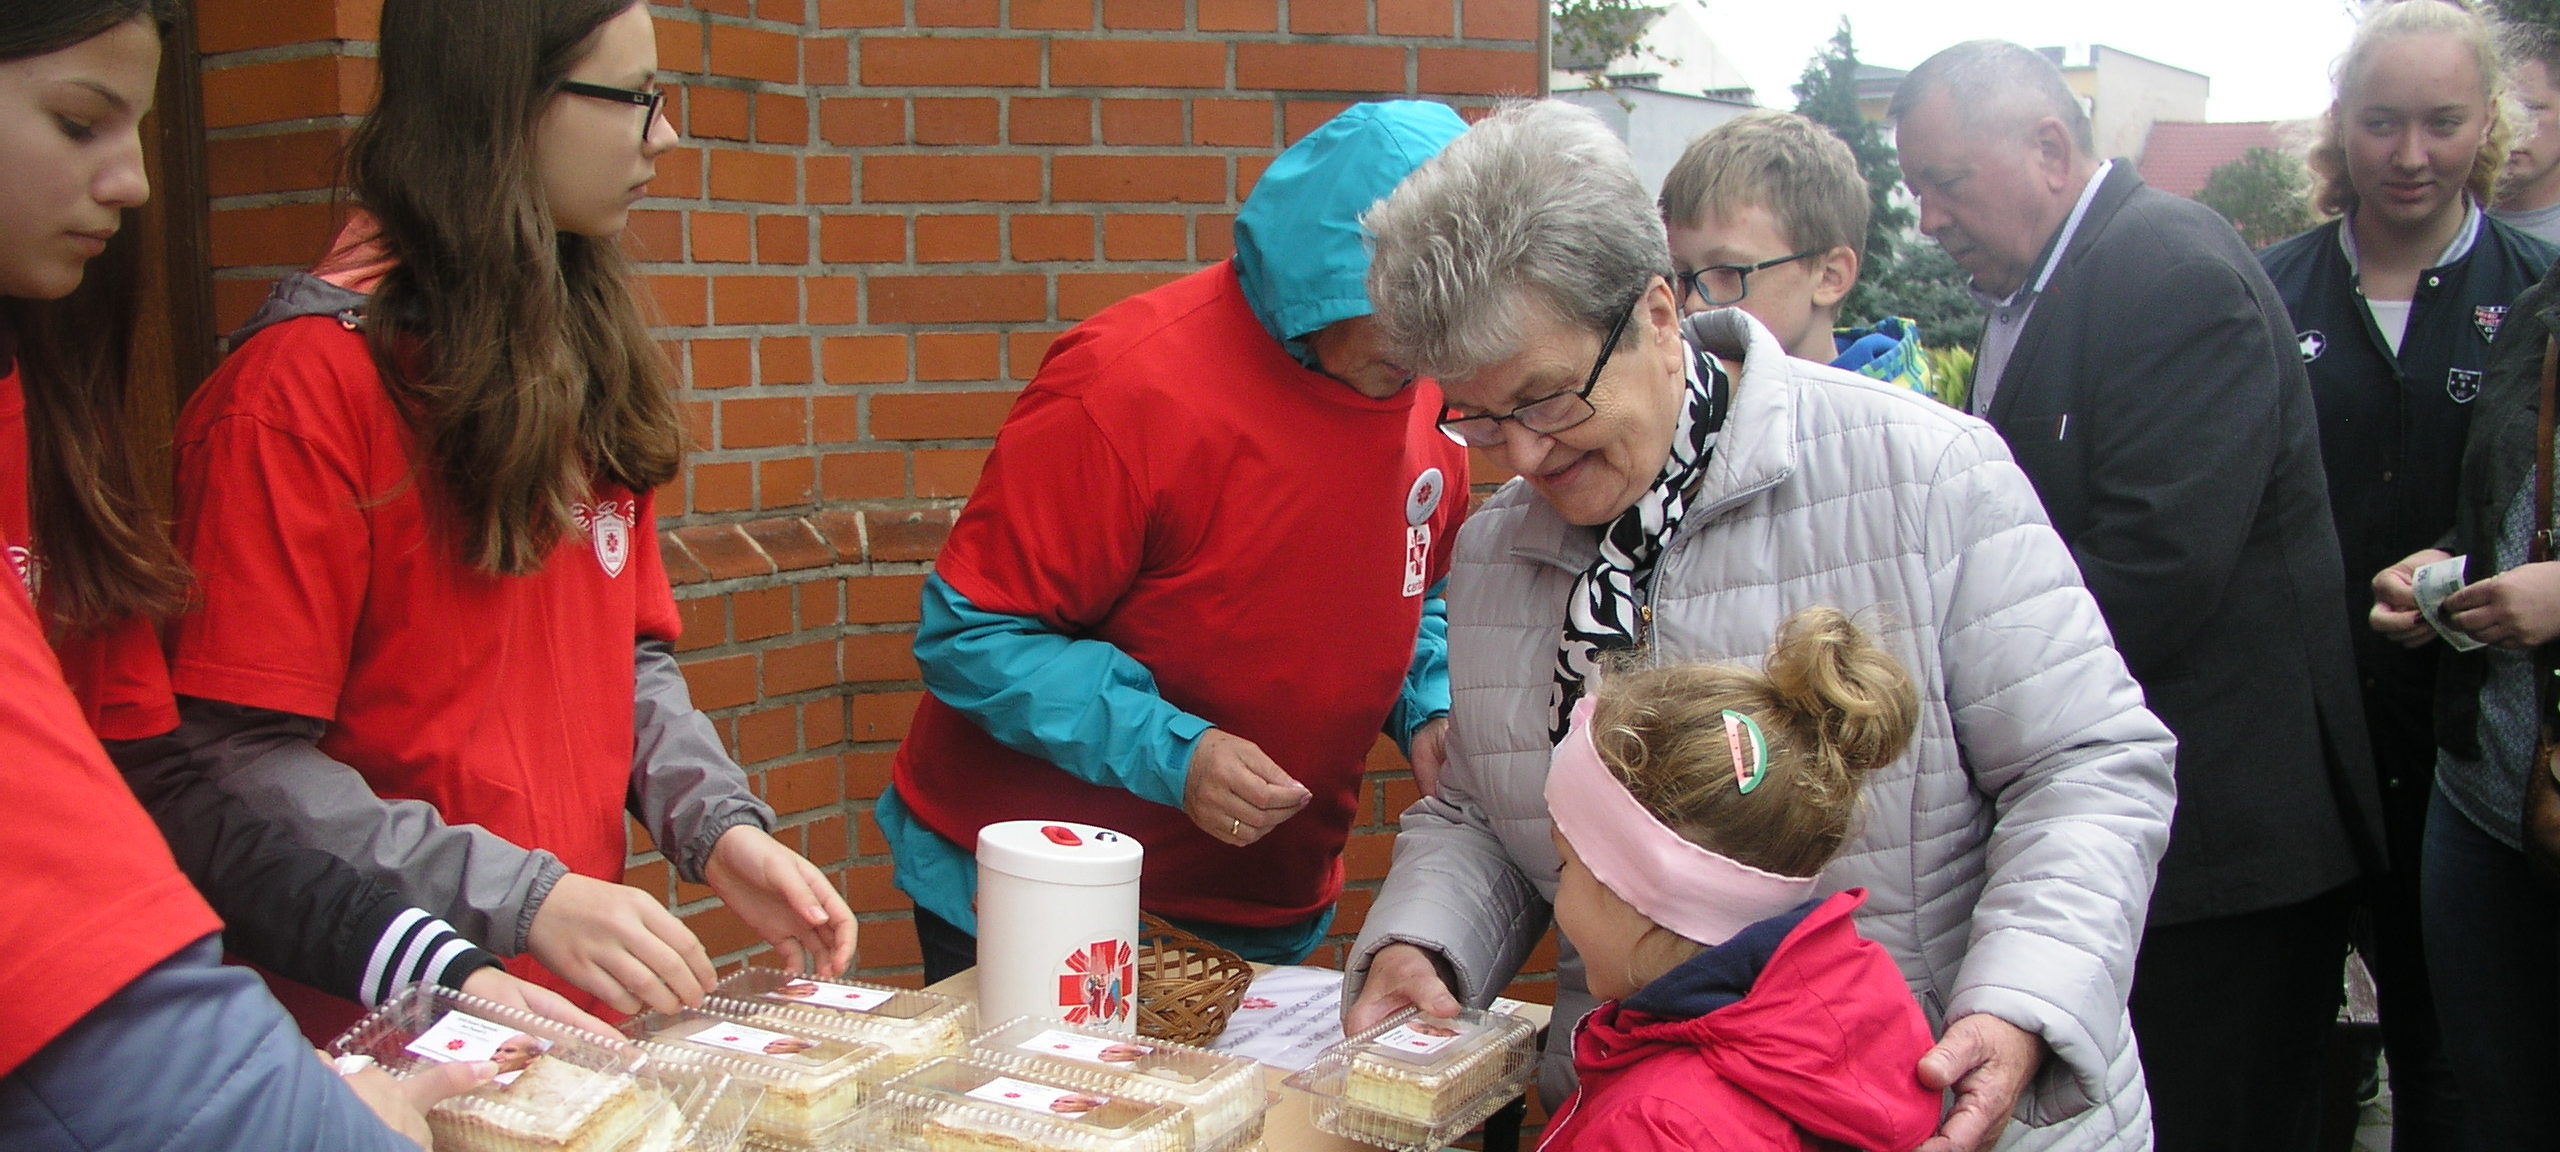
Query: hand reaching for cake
[
  {"x": 784, "y": 898},
  {"x": 620, "y": 945},
  {"x": 402, "y": 1105},
  {"x": 1401, "y": 976},
  {"x": 498, "y": 987}
]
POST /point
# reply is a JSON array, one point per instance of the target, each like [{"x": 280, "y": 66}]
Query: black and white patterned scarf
[{"x": 1603, "y": 613}]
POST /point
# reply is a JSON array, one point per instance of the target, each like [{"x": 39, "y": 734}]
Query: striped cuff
[{"x": 418, "y": 948}]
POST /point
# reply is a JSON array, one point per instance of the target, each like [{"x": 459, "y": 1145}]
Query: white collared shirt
[{"x": 2009, "y": 314}]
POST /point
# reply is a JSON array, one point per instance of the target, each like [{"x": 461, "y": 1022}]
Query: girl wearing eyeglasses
[{"x": 433, "y": 630}]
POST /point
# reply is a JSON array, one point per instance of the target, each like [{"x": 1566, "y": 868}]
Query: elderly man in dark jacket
[{"x": 2143, "y": 372}]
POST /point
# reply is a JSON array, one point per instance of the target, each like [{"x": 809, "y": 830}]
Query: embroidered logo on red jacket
[
  {"x": 608, "y": 524},
  {"x": 29, "y": 567}
]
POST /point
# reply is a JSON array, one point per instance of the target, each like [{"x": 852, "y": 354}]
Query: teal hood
[{"x": 1299, "y": 250}]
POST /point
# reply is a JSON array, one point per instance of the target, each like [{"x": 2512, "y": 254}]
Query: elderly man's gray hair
[
  {"x": 1996, "y": 87},
  {"x": 1536, "y": 207}
]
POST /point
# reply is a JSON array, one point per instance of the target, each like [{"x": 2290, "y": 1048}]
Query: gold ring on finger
[{"x": 1235, "y": 826}]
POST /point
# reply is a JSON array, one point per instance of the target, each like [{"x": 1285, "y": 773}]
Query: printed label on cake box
[
  {"x": 1415, "y": 1040},
  {"x": 462, "y": 1037},
  {"x": 1109, "y": 1051},
  {"x": 820, "y": 994},
  {"x": 756, "y": 1041},
  {"x": 1039, "y": 1098}
]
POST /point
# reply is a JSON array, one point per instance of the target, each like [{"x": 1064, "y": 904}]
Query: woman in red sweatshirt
[{"x": 1693, "y": 806}]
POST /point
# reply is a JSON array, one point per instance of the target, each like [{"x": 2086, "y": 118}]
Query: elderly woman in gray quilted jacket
[{"x": 1684, "y": 488}]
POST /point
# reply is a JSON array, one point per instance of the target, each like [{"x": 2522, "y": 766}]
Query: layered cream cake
[
  {"x": 961, "y": 1131},
  {"x": 812, "y": 1083},
  {"x": 1223, "y": 1095},
  {"x": 975, "y": 1106},
  {"x": 552, "y": 1106},
  {"x": 1423, "y": 1070},
  {"x": 911, "y": 1026}
]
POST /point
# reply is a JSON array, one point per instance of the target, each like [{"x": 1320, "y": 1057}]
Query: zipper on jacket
[{"x": 1644, "y": 623}]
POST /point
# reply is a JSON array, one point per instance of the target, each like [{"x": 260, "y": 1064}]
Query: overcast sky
[{"x": 2269, "y": 59}]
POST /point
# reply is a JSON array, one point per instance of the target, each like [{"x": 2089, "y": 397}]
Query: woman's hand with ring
[{"x": 1235, "y": 793}]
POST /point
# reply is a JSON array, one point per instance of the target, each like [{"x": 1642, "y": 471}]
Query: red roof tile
[{"x": 2179, "y": 155}]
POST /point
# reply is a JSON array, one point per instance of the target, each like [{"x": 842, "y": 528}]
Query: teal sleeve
[
  {"x": 1083, "y": 705},
  {"x": 1425, "y": 697},
  {"x": 933, "y": 872},
  {"x": 943, "y": 880}
]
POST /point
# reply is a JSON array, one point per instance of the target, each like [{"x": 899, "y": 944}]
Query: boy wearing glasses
[{"x": 1767, "y": 213}]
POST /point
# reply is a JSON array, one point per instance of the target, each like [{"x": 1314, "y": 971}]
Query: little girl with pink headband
[{"x": 1694, "y": 806}]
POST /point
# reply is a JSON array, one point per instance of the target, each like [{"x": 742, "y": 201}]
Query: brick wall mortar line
[
  {"x": 281, "y": 53},
  {"x": 266, "y": 128}
]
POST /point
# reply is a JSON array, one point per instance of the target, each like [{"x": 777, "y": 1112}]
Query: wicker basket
[{"x": 1187, "y": 986}]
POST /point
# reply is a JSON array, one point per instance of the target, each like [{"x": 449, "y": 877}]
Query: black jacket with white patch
[{"x": 2391, "y": 427}]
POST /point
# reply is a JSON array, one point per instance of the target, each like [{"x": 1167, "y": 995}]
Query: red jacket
[{"x": 1795, "y": 1034}]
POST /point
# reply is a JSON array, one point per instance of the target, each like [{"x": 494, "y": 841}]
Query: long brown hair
[
  {"x": 518, "y": 352},
  {"x": 105, "y": 545},
  {"x": 1834, "y": 706}
]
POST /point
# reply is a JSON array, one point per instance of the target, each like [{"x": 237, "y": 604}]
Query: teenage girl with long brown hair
[
  {"x": 432, "y": 630},
  {"x": 123, "y": 1030}
]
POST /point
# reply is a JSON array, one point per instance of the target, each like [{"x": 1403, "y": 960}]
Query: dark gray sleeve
[
  {"x": 684, "y": 787},
  {"x": 193, "y": 1054},
  {"x": 296, "y": 911},
  {"x": 485, "y": 886}
]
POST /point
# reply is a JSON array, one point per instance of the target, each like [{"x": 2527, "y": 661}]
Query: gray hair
[
  {"x": 1538, "y": 206},
  {"x": 1997, "y": 88}
]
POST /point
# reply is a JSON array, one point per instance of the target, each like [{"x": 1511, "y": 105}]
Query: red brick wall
[{"x": 883, "y": 212}]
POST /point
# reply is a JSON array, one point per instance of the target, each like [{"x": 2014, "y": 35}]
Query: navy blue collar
[{"x": 1719, "y": 976}]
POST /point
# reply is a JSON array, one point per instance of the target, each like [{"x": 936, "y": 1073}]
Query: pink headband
[{"x": 1676, "y": 884}]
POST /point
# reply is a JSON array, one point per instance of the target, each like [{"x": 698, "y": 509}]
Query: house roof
[{"x": 2178, "y": 155}]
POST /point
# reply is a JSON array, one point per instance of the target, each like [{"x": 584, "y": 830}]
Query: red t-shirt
[
  {"x": 327, "y": 587},
  {"x": 1257, "y": 535},
  {"x": 117, "y": 673},
  {"x": 89, "y": 896}
]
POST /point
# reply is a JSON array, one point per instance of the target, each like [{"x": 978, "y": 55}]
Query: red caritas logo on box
[{"x": 1097, "y": 982}]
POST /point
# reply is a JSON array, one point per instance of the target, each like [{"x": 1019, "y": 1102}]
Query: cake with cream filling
[{"x": 552, "y": 1106}]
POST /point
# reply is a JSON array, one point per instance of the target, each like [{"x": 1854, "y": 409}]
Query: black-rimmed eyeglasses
[
  {"x": 651, "y": 100},
  {"x": 1726, "y": 284},
  {"x": 1547, "y": 415}
]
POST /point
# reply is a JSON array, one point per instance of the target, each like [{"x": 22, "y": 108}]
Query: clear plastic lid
[
  {"x": 712, "y": 1103},
  {"x": 913, "y": 1026},
  {"x": 1223, "y": 1095},
  {"x": 556, "y": 1086},
  {"x": 1417, "y": 1082},
  {"x": 970, "y": 1105},
  {"x": 813, "y": 1083}
]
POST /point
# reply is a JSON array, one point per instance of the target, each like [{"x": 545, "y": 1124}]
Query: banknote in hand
[{"x": 2432, "y": 584}]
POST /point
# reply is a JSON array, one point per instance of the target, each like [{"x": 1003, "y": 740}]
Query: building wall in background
[{"x": 883, "y": 212}]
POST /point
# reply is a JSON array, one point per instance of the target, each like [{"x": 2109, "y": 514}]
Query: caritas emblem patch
[
  {"x": 1424, "y": 498},
  {"x": 2486, "y": 318},
  {"x": 29, "y": 569},
  {"x": 609, "y": 524}
]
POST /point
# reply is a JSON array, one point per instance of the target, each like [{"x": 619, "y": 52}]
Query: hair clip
[{"x": 1736, "y": 727}]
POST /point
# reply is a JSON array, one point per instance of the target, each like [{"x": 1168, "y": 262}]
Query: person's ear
[
  {"x": 1835, "y": 273},
  {"x": 1660, "y": 312},
  {"x": 2051, "y": 143}
]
